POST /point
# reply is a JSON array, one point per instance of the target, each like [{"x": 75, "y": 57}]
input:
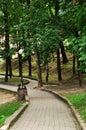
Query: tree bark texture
[
  {"x": 39, "y": 70},
  {"x": 47, "y": 73},
  {"x": 58, "y": 66},
  {"x": 74, "y": 59},
  {"x": 10, "y": 66},
  {"x": 56, "y": 7},
  {"x": 30, "y": 65},
  {"x": 6, "y": 15},
  {"x": 20, "y": 65},
  {"x": 64, "y": 57},
  {"x": 79, "y": 73},
  {"x": 58, "y": 53}
]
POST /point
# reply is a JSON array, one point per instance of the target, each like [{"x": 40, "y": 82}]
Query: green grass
[
  {"x": 1, "y": 80},
  {"x": 13, "y": 81},
  {"x": 16, "y": 81},
  {"x": 79, "y": 102},
  {"x": 7, "y": 110}
]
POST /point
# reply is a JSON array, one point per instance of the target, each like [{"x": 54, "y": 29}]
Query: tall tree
[
  {"x": 29, "y": 56},
  {"x": 58, "y": 53},
  {"x": 7, "y": 47}
]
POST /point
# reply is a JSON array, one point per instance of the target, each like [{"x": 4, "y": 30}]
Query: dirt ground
[
  {"x": 6, "y": 96},
  {"x": 69, "y": 86}
]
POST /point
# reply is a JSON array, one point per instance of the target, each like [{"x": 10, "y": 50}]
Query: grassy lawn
[
  {"x": 13, "y": 81},
  {"x": 7, "y": 110},
  {"x": 79, "y": 102}
]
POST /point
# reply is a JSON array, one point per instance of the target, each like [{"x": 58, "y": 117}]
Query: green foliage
[
  {"x": 77, "y": 35},
  {"x": 38, "y": 21},
  {"x": 16, "y": 14}
]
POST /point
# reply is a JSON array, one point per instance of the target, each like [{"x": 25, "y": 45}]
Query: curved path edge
[
  {"x": 75, "y": 113},
  {"x": 15, "y": 116},
  {"x": 10, "y": 120}
]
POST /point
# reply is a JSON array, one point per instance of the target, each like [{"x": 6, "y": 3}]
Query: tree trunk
[
  {"x": 64, "y": 57},
  {"x": 58, "y": 53},
  {"x": 39, "y": 70},
  {"x": 74, "y": 70},
  {"x": 10, "y": 67},
  {"x": 50, "y": 10},
  {"x": 78, "y": 62},
  {"x": 29, "y": 57},
  {"x": 6, "y": 16},
  {"x": 56, "y": 7},
  {"x": 28, "y": 2},
  {"x": 79, "y": 73},
  {"x": 20, "y": 65},
  {"x": 47, "y": 73},
  {"x": 58, "y": 66},
  {"x": 6, "y": 75},
  {"x": 30, "y": 66}
]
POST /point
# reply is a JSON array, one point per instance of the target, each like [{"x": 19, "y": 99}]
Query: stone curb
[
  {"x": 75, "y": 113},
  {"x": 10, "y": 120}
]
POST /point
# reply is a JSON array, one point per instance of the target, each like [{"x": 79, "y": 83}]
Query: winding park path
[{"x": 45, "y": 112}]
